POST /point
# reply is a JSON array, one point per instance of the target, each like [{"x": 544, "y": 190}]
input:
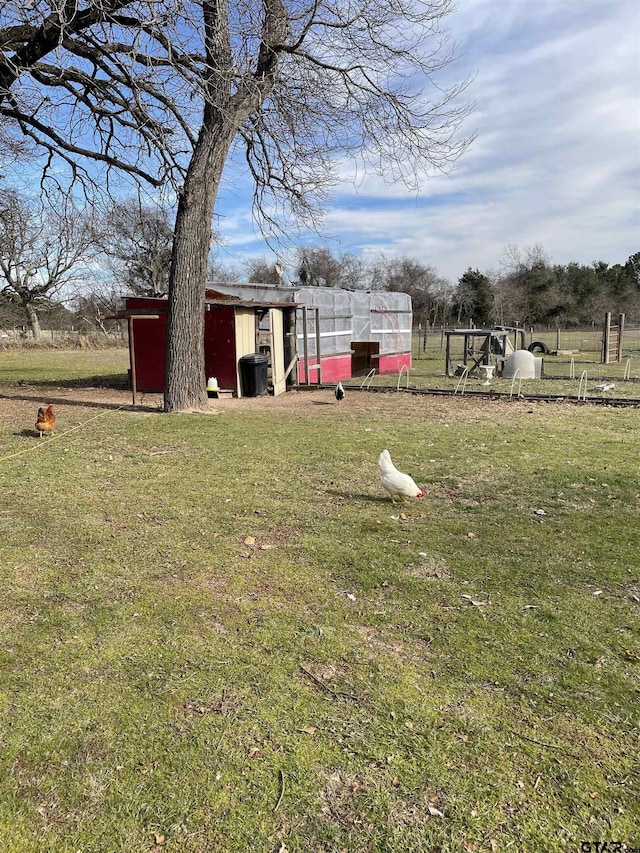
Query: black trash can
[{"x": 253, "y": 374}]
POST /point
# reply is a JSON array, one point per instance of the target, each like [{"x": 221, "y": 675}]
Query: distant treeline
[
  {"x": 536, "y": 292},
  {"x": 68, "y": 272}
]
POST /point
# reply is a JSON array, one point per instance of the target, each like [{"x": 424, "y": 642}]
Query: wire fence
[{"x": 587, "y": 340}]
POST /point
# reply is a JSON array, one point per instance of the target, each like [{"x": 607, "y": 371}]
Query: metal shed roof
[{"x": 218, "y": 299}]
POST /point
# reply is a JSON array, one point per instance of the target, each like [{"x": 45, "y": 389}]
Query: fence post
[
  {"x": 606, "y": 337},
  {"x": 305, "y": 343},
  {"x": 318, "y": 353},
  {"x": 621, "y": 320}
]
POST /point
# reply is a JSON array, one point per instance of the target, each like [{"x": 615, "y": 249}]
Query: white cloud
[{"x": 557, "y": 155}]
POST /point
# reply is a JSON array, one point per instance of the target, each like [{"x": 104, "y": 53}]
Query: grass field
[
  {"x": 19, "y": 367},
  {"x": 217, "y": 633}
]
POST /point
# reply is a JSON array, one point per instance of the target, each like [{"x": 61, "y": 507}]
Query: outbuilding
[
  {"x": 310, "y": 335},
  {"x": 340, "y": 334},
  {"x": 233, "y": 328}
]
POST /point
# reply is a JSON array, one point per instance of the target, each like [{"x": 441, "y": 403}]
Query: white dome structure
[{"x": 525, "y": 362}]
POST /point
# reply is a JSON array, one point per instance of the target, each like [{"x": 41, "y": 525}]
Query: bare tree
[
  {"x": 355, "y": 273},
  {"x": 430, "y": 293},
  {"x": 99, "y": 298},
  {"x": 319, "y": 267},
  {"x": 136, "y": 239},
  {"x": 529, "y": 276},
  {"x": 41, "y": 252},
  {"x": 217, "y": 271},
  {"x": 263, "y": 271},
  {"x": 13, "y": 150},
  {"x": 167, "y": 91}
]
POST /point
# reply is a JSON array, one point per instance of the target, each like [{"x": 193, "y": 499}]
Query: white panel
[
  {"x": 245, "y": 339},
  {"x": 276, "y": 325}
]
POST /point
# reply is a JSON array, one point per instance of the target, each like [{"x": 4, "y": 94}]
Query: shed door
[
  {"x": 245, "y": 339},
  {"x": 276, "y": 326}
]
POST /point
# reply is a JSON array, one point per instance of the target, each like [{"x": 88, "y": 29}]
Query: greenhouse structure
[{"x": 339, "y": 334}]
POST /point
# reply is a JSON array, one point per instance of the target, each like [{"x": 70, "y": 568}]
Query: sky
[{"x": 555, "y": 161}]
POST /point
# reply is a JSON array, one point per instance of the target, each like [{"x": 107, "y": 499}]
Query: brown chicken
[{"x": 46, "y": 421}]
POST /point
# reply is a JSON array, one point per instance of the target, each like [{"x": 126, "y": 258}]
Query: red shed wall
[
  {"x": 149, "y": 338},
  {"x": 150, "y": 344},
  {"x": 220, "y": 345},
  {"x": 339, "y": 367}
]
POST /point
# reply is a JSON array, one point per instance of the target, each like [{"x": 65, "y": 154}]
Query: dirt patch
[
  {"x": 432, "y": 566},
  {"x": 338, "y": 798},
  {"x": 632, "y": 592},
  {"x": 73, "y": 406},
  {"x": 321, "y": 403},
  {"x": 76, "y": 405}
]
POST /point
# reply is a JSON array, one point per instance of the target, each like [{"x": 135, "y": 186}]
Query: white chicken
[{"x": 395, "y": 482}]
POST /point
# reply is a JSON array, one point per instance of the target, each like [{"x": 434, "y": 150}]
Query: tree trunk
[
  {"x": 225, "y": 109},
  {"x": 185, "y": 381},
  {"x": 34, "y": 321}
]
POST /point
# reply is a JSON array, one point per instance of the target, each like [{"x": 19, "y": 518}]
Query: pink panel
[
  {"x": 334, "y": 369},
  {"x": 394, "y": 363},
  {"x": 338, "y": 368}
]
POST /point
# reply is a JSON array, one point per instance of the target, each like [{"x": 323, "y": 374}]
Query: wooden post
[
  {"x": 290, "y": 346},
  {"x": 606, "y": 338},
  {"x": 318, "y": 355},
  {"x": 305, "y": 343},
  {"x": 447, "y": 363},
  {"x": 621, "y": 320},
  {"x": 558, "y": 338},
  {"x": 132, "y": 361},
  {"x": 486, "y": 349},
  {"x": 130, "y": 316}
]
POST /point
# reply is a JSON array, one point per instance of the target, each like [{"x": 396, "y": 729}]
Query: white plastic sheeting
[
  {"x": 336, "y": 319},
  {"x": 345, "y": 315}
]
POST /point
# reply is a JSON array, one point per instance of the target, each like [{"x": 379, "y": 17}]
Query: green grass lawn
[
  {"x": 217, "y": 634},
  {"x": 48, "y": 366}
]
